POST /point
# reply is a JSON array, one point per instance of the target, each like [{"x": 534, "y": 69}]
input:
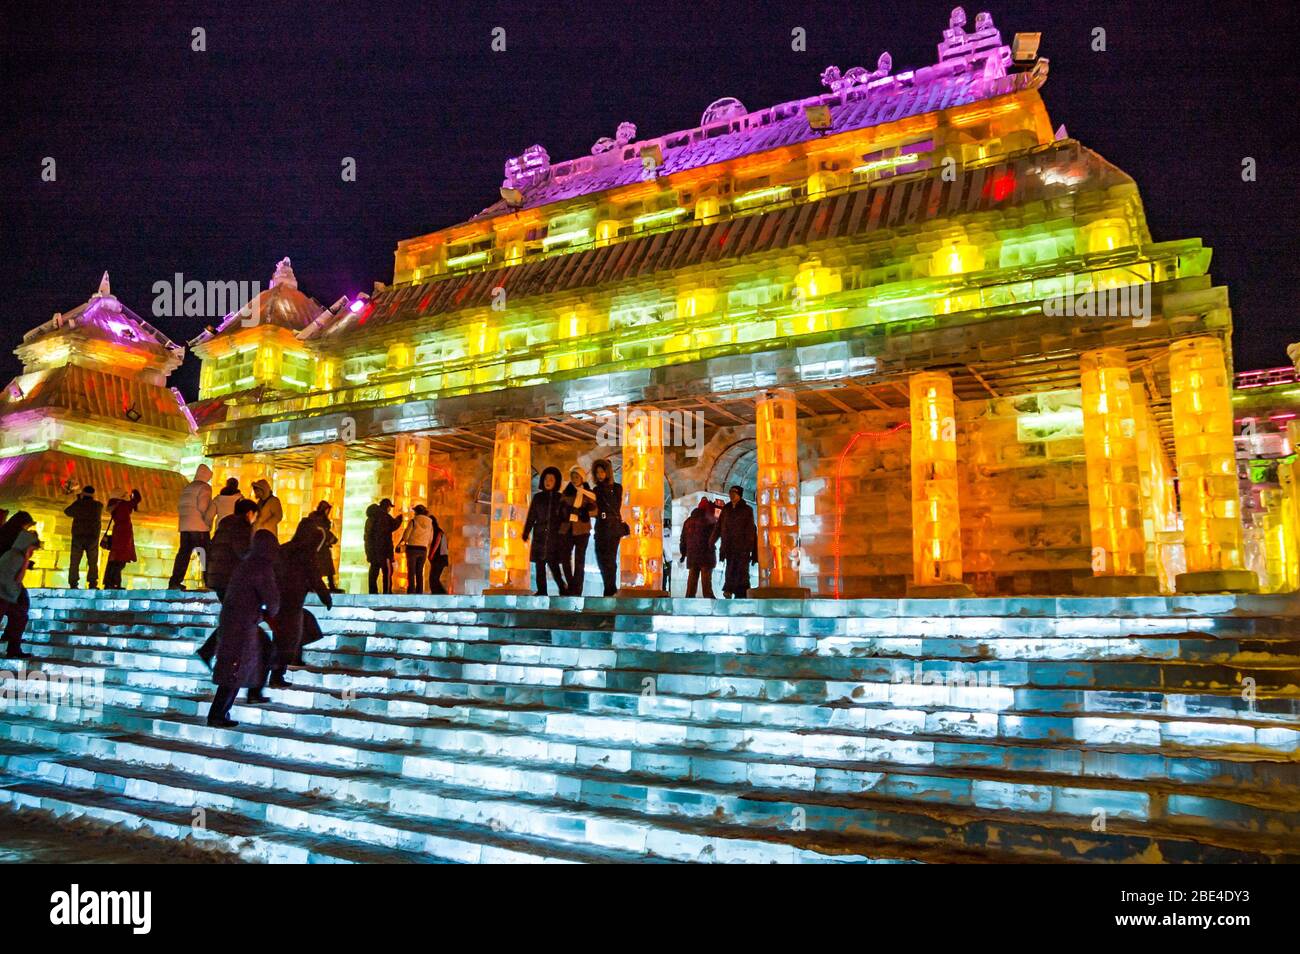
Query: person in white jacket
[
  {"x": 195, "y": 510},
  {"x": 226, "y": 500},
  {"x": 419, "y": 533}
]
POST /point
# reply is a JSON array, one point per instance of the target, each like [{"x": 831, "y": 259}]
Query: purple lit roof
[
  {"x": 971, "y": 67},
  {"x": 105, "y": 318}
]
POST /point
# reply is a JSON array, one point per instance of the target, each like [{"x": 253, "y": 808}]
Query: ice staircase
[{"x": 469, "y": 729}]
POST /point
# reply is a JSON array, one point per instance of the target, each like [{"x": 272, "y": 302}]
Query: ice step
[
  {"x": 413, "y": 811},
  {"x": 235, "y": 836},
  {"x": 810, "y": 655},
  {"x": 1071, "y": 803},
  {"x": 942, "y": 837},
  {"x": 738, "y": 688},
  {"x": 853, "y": 733},
  {"x": 841, "y": 760}
]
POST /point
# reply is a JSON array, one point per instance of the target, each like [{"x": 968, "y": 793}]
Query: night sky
[{"x": 216, "y": 164}]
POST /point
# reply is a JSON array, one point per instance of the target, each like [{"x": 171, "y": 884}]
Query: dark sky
[{"x": 217, "y": 164}]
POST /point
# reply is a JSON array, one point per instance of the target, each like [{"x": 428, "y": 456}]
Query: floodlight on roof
[
  {"x": 819, "y": 117},
  {"x": 1024, "y": 48}
]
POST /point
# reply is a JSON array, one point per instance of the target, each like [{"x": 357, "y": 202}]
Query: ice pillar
[
  {"x": 1110, "y": 444},
  {"x": 1201, "y": 396},
  {"x": 777, "y": 496},
  {"x": 936, "y": 516},
  {"x": 512, "y": 472},
  {"x": 641, "y": 554}
]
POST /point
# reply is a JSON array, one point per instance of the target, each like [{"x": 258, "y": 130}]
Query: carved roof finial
[
  {"x": 104, "y": 290},
  {"x": 284, "y": 274}
]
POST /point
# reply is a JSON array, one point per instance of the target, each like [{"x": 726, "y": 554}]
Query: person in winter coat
[
  {"x": 437, "y": 558},
  {"x": 576, "y": 530},
  {"x": 296, "y": 575},
  {"x": 121, "y": 535},
  {"x": 195, "y": 511},
  {"x": 697, "y": 549},
  {"x": 380, "y": 527},
  {"x": 242, "y": 650},
  {"x": 226, "y": 500},
  {"x": 738, "y": 534},
  {"x": 269, "y": 511},
  {"x": 415, "y": 543},
  {"x": 87, "y": 515},
  {"x": 229, "y": 544},
  {"x": 546, "y": 515},
  {"x": 610, "y": 528},
  {"x": 320, "y": 517},
  {"x": 18, "y": 540}
]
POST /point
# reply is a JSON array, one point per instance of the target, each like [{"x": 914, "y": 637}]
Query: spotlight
[
  {"x": 819, "y": 117},
  {"x": 1024, "y": 48},
  {"x": 513, "y": 197},
  {"x": 132, "y": 414},
  {"x": 652, "y": 157}
]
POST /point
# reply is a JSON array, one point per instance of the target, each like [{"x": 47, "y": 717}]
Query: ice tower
[{"x": 92, "y": 406}]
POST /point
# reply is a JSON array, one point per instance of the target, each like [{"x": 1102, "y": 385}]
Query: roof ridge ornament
[
  {"x": 837, "y": 82},
  {"x": 527, "y": 167},
  {"x": 625, "y": 134},
  {"x": 105, "y": 290},
  {"x": 284, "y": 274},
  {"x": 728, "y": 107}
]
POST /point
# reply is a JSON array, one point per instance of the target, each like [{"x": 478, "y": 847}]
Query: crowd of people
[{"x": 257, "y": 580}]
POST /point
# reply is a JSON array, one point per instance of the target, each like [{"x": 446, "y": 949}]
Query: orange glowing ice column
[
  {"x": 328, "y": 482},
  {"x": 641, "y": 554},
  {"x": 512, "y": 471},
  {"x": 1207, "y": 469},
  {"x": 936, "y": 517},
  {"x": 410, "y": 487},
  {"x": 778, "y": 498},
  {"x": 1110, "y": 444}
]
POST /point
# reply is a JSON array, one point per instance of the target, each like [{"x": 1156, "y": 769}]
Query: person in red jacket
[{"x": 122, "y": 536}]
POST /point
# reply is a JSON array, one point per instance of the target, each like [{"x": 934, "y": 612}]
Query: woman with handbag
[{"x": 119, "y": 540}]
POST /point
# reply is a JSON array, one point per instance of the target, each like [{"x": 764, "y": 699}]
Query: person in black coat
[
  {"x": 380, "y": 527},
  {"x": 698, "y": 551},
  {"x": 325, "y": 555},
  {"x": 229, "y": 544},
  {"x": 738, "y": 535},
  {"x": 296, "y": 575},
  {"x": 610, "y": 528},
  {"x": 87, "y": 515},
  {"x": 546, "y": 516},
  {"x": 242, "y": 650}
]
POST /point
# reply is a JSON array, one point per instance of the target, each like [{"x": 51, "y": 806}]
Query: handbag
[{"x": 106, "y": 541}]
